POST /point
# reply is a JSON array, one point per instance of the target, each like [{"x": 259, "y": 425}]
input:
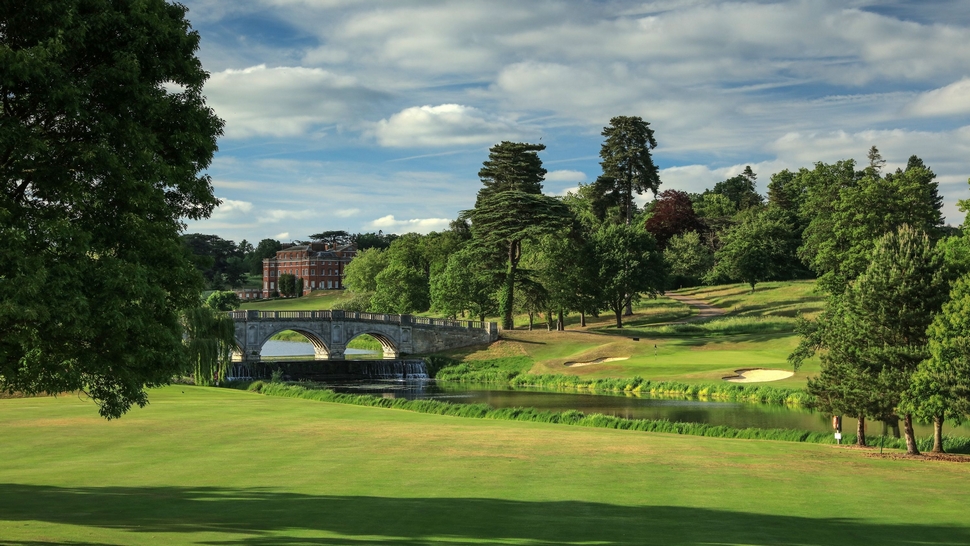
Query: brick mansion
[{"x": 320, "y": 265}]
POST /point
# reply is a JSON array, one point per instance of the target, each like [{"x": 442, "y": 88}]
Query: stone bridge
[{"x": 330, "y": 331}]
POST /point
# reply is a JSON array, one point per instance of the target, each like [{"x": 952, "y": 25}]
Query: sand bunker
[
  {"x": 758, "y": 375},
  {"x": 597, "y": 361}
]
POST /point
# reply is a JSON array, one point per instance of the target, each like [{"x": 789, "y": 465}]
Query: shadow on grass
[{"x": 270, "y": 518}]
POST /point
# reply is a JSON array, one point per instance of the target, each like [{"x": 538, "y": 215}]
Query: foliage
[
  {"x": 628, "y": 167},
  {"x": 220, "y": 261},
  {"x": 629, "y": 264},
  {"x": 688, "y": 259},
  {"x": 672, "y": 214},
  {"x": 711, "y": 205},
  {"x": 379, "y": 240},
  {"x": 104, "y": 133},
  {"x": 223, "y": 301},
  {"x": 332, "y": 237},
  {"x": 267, "y": 248},
  {"x": 286, "y": 284},
  {"x": 839, "y": 240},
  {"x": 210, "y": 339},
  {"x": 511, "y": 166},
  {"x": 758, "y": 248},
  {"x": 359, "y": 302},
  {"x": 361, "y": 273},
  {"x": 740, "y": 190},
  {"x": 502, "y": 221},
  {"x": 467, "y": 283},
  {"x": 400, "y": 289}
]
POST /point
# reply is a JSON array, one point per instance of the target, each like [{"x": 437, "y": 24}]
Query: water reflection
[
  {"x": 732, "y": 414},
  {"x": 279, "y": 349}
]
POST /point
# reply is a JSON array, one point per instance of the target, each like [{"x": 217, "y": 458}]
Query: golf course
[{"x": 224, "y": 466}]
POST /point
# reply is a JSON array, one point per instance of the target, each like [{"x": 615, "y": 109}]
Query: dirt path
[{"x": 704, "y": 309}]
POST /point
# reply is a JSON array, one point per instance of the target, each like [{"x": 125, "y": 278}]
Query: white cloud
[
  {"x": 344, "y": 213},
  {"x": 279, "y": 215},
  {"x": 565, "y": 175},
  {"x": 286, "y": 101},
  {"x": 444, "y": 125},
  {"x": 282, "y": 236},
  {"x": 954, "y": 99},
  {"x": 232, "y": 206},
  {"x": 418, "y": 225}
]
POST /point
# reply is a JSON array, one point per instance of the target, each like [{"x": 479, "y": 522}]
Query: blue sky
[{"x": 361, "y": 115}]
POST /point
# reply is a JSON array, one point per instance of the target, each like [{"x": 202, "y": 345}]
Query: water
[
  {"x": 275, "y": 349},
  {"x": 732, "y": 414}
]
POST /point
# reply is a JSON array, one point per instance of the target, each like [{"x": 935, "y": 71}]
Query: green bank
[{"x": 216, "y": 466}]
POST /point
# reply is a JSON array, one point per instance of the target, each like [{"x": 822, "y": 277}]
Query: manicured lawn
[
  {"x": 209, "y": 466},
  {"x": 317, "y": 300}
]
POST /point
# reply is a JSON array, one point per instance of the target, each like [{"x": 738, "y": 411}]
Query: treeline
[{"x": 225, "y": 264}]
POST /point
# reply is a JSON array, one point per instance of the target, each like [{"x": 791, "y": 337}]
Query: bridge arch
[
  {"x": 389, "y": 347},
  {"x": 320, "y": 349}
]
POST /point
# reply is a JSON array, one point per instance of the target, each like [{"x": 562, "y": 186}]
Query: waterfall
[{"x": 394, "y": 369}]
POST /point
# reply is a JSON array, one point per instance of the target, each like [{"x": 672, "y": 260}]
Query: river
[{"x": 732, "y": 414}]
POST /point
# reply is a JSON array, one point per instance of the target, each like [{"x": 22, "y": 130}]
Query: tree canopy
[
  {"x": 103, "y": 139},
  {"x": 627, "y": 163}
]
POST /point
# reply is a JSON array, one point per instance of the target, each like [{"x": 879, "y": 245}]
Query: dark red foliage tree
[{"x": 673, "y": 214}]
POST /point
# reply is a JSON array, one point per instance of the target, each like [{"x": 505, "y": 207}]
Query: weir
[{"x": 331, "y": 370}]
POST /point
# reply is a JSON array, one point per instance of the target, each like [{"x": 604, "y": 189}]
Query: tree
[
  {"x": 379, "y": 240},
  {"x": 672, "y": 214},
  {"x": 876, "y": 162},
  {"x": 220, "y": 261},
  {"x": 757, "y": 248},
  {"x": 629, "y": 264},
  {"x": 688, "y": 259},
  {"x": 940, "y": 388},
  {"x": 510, "y": 209},
  {"x": 210, "y": 336},
  {"x": 740, "y": 190},
  {"x": 103, "y": 138},
  {"x": 512, "y": 166},
  {"x": 885, "y": 315},
  {"x": 223, "y": 301},
  {"x": 627, "y": 164},
  {"x": 401, "y": 289},
  {"x": 267, "y": 248},
  {"x": 501, "y": 222},
  {"x": 467, "y": 283},
  {"x": 361, "y": 273},
  {"x": 333, "y": 237},
  {"x": 287, "y": 284},
  {"x": 838, "y": 242}
]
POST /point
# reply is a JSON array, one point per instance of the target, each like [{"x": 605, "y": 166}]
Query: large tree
[
  {"x": 757, "y": 248},
  {"x": 220, "y": 261},
  {"x": 629, "y": 265},
  {"x": 103, "y": 135},
  {"x": 672, "y": 213},
  {"x": 511, "y": 209},
  {"x": 740, "y": 190},
  {"x": 627, "y": 164}
]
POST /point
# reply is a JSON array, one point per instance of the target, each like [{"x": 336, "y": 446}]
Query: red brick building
[{"x": 320, "y": 265}]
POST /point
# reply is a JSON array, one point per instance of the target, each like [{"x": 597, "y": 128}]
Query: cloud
[
  {"x": 444, "y": 125},
  {"x": 282, "y": 236},
  {"x": 565, "y": 175},
  {"x": 286, "y": 101},
  {"x": 279, "y": 215},
  {"x": 232, "y": 207},
  {"x": 418, "y": 225},
  {"x": 954, "y": 99},
  {"x": 344, "y": 213}
]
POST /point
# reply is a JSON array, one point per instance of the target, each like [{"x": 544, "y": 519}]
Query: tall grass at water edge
[
  {"x": 577, "y": 418},
  {"x": 512, "y": 371}
]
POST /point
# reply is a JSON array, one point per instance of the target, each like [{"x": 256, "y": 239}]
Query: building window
[
  {"x": 313, "y": 271},
  {"x": 329, "y": 284},
  {"x": 272, "y": 286}
]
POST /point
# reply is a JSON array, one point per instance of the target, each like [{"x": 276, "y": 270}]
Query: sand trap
[
  {"x": 597, "y": 361},
  {"x": 758, "y": 375}
]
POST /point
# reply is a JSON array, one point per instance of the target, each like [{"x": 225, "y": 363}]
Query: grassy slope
[
  {"x": 317, "y": 300},
  {"x": 228, "y": 467},
  {"x": 697, "y": 356}
]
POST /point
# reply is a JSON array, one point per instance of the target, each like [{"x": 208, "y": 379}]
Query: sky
[{"x": 364, "y": 116}]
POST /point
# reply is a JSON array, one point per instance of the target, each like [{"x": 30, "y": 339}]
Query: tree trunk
[
  {"x": 560, "y": 323},
  {"x": 508, "y": 291},
  {"x": 938, "y": 434},
  {"x": 619, "y": 317},
  {"x": 549, "y": 320},
  {"x": 629, "y": 307},
  {"x": 531, "y": 316},
  {"x": 752, "y": 287},
  {"x": 860, "y": 432},
  {"x": 911, "y": 447},
  {"x": 582, "y": 318},
  {"x": 892, "y": 422}
]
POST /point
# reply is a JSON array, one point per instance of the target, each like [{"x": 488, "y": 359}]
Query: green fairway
[
  {"x": 317, "y": 300},
  {"x": 210, "y": 466}
]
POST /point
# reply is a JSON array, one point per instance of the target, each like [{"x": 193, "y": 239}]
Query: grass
[
  {"x": 317, "y": 300},
  {"x": 216, "y": 466}
]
